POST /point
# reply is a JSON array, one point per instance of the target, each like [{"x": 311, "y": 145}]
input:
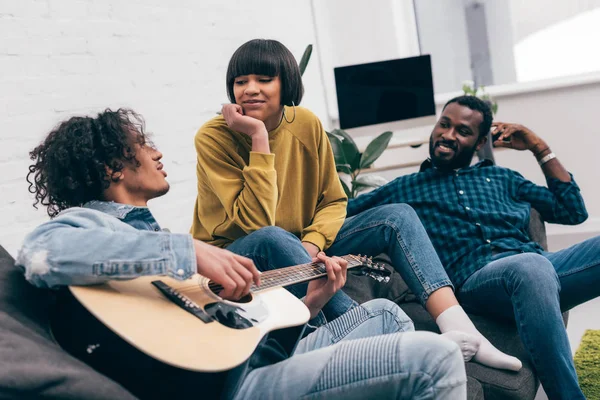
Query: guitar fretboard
[{"x": 291, "y": 275}]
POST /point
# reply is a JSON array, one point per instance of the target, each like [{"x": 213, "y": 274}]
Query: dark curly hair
[
  {"x": 70, "y": 165},
  {"x": 476, "y": 104}
]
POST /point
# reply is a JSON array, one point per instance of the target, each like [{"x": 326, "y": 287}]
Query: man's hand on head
[
  {"x": 518, "y": 137},
  {"x": 235, "y": 273}
]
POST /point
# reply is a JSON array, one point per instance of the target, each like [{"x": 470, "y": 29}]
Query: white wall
[
  {"x": 356, "y": 31},
  {"x": 165, "y": 59},
  {"x": 443, "y": 33}
]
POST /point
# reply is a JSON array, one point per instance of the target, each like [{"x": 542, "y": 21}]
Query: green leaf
[
  {"x": 368, "y": 181},
  {"x": 305, "y": 58},
  {"x": 375, "y": 149},
  {"x": 346, "y": 189},
  {"x": 345, "y": 168},
  {"x": 345, "y": 135},
  {"x": 468, "y": 90},
  {"x": 350, "y": 149},
  {"x": 338, "y": 149},
  {"x": 494, "y": 108}
]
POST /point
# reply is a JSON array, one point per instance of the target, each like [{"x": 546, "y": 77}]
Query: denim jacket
[{"x": 102, "y": 241}]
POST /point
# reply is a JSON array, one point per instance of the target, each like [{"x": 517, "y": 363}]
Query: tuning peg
[{"x": 386, "y": 279}]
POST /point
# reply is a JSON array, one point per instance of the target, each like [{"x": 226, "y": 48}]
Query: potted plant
[
  {"x": 351, "y": 162},
  {"x": 468, "y": 88}
]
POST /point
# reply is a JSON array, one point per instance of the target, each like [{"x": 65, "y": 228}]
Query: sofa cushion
[{"x": 32, "y": 364}]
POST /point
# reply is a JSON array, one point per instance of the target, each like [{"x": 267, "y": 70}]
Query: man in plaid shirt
[{"x": 477, "y": 218}]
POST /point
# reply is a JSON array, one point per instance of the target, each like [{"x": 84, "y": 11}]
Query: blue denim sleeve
[
  {"x": 86, "y": 247},
  {"x": 561, "y": 202}
]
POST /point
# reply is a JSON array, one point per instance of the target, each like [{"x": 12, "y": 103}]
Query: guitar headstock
[{"x": 371, "y": 269}]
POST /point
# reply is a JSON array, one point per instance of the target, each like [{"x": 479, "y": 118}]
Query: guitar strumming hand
[
  {"x": 320, "y": 291},
  {"x": 234, "y": 272}
]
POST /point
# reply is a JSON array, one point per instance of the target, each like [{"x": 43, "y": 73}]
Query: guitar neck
[{"x": 288, "y": 276}]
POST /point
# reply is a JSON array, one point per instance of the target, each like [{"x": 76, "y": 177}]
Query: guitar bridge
[{"x": 182, "y": 301}]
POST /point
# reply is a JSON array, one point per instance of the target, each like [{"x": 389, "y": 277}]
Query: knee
[
  {"x": 392, "y": 313},
  {"x": 399, "y": 212},
  {"x": 437, "y": 356},
  {"x": 399, "y": 218},
  {"x": 534, "y": 272},
  {"x": 450, "y": 370},
  {"x": 274, "y": 237}
]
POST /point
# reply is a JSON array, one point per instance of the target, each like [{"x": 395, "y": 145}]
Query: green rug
[{"x": 587, "y": 363}]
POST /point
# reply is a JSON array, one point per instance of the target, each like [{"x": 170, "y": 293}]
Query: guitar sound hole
[{"x": 216, "y": 289}]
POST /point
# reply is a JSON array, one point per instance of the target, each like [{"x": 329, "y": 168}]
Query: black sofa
[{"x": 32, "y": 365}]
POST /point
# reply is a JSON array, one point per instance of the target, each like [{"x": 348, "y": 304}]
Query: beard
[{"x": 460, "y": 159}]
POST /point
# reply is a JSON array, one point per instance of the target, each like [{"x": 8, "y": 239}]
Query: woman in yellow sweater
[{"x": 268, "y": 190}]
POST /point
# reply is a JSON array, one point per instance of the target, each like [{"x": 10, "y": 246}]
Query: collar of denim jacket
[{"x": 117, "y": 210}]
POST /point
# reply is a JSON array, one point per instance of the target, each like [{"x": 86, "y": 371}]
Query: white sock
[
  {"x": 455, "y": 319},
  {"x": 469, "y": 344}
]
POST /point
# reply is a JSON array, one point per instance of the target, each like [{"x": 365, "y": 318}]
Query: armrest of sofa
[
  {"x": 537, "y": 229},
  {"x": 33, "y": 365}
]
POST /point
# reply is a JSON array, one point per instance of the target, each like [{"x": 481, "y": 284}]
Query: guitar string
[
  {"x": 280, "y": 278},
  {"x": 267, "y": 281},
  {"x": 267, "y": 276}
]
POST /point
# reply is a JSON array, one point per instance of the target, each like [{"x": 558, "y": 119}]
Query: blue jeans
[
  {"x": 272, "y": 247},
  {"x": 395, "y": 229},
  {"x": 533, "y": 290},
  {"x": 364, "y": 355}
]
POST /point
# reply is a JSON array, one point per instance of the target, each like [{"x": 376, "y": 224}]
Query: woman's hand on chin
[{"x": 236, "y": 120}]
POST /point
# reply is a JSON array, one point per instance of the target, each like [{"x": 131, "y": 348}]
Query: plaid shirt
[{"x": 470, "y": 212}]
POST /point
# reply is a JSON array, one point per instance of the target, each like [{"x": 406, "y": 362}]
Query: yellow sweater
[{"x": 296, "y": 187}]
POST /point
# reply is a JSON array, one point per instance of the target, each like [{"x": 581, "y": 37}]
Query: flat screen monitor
[{"x": 386, "y": 91}]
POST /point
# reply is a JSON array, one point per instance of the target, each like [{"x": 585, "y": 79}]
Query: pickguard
[
  {"x": 230, "y": 314},
  {"x": 238, "y": 316}
]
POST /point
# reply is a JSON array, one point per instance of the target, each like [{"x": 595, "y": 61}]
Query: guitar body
[
  {"x": 142, "y": 316},
  {"x": 186, "y": 325}
]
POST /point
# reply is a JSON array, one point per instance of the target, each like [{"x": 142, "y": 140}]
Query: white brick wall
[{"x": 165, "y": 59}]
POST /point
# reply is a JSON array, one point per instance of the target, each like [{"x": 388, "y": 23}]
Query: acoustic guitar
[{"x": 212, "y": 334}]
